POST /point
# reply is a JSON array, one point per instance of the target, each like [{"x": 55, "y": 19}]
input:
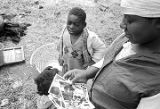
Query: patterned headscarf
[{"x": 144, "y": 8}]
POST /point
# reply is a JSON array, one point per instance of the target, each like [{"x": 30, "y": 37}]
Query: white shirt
[
  {"x": 95, "y": 45},
  {"x": 126, "y": 51}
]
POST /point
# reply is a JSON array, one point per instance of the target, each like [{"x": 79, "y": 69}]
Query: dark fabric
[
  {"x": 121, "y": 84},
  {"x": 126, "y": 81},
  {"x": 113, "y": 50}
]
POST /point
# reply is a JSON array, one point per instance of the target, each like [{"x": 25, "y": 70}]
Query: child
[
  {"x": 79, "y": 47},
  {"x": 131, "y": 66},
  {"x": 43, "y": 82}
]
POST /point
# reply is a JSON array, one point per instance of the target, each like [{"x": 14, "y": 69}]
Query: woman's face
[
  {"x": 75, "y": 25},
  {"x": 139, "y": 30}
]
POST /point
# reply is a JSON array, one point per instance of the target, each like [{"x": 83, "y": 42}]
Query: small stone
[
  {"x": 40, "y": 7},
  {"x": 4, "y": 102},
  {"x": 36, "y": 2}
]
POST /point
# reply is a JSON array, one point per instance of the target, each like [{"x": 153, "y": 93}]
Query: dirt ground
[{"x": 47, "y": 18}]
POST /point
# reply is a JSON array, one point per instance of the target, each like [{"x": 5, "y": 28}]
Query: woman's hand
[{"x": 76, "y": 76}]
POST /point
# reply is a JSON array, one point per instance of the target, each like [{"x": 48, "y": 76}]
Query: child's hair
[
  {"x": 44, "y": 80},
  {"x": 78, "y": 12}
]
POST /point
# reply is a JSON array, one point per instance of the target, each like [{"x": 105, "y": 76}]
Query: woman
[{"x": 130, "y": 69}]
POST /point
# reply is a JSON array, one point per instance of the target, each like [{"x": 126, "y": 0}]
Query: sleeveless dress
[{"x": 75, "y": 56}]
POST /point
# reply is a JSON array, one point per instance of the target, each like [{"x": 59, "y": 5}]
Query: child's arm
[{"x": 98, "y": 47}]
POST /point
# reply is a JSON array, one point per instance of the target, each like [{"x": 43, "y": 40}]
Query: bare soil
[{"x": 47, "y": 19}]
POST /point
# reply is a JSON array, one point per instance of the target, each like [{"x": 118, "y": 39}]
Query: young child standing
[{"x": 79, "y": 47}]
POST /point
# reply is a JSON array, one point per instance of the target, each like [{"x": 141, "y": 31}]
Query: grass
[{"x": 46, "y": 25}]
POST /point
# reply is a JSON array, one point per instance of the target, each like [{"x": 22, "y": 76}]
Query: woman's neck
[{"x": 152, "y": 46}]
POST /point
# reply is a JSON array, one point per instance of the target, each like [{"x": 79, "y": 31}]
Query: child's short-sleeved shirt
[{"x": 73, "y": 54}]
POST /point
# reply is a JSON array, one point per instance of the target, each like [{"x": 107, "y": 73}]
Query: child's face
[
  {"x": 139, "y": 30},
  {"x": 75, "y": 25}
]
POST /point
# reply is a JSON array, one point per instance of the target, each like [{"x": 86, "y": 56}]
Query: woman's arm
[{"x": 81, "y": 76}]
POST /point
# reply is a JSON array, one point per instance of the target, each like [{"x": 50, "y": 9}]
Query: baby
[{"x": 43, "y": 82}]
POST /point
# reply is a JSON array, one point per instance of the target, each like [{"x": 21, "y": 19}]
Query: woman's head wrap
[
  {"x": 143, "y": 8},
  {"x": 78, "y": 12}
]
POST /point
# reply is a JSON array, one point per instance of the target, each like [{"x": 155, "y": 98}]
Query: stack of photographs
[{"x": 64, "y": 95}]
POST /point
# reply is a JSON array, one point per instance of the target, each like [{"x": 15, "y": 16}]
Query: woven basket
[
  {"x": 1, "y": 46},
  {"x": 46, "y": 55}
]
